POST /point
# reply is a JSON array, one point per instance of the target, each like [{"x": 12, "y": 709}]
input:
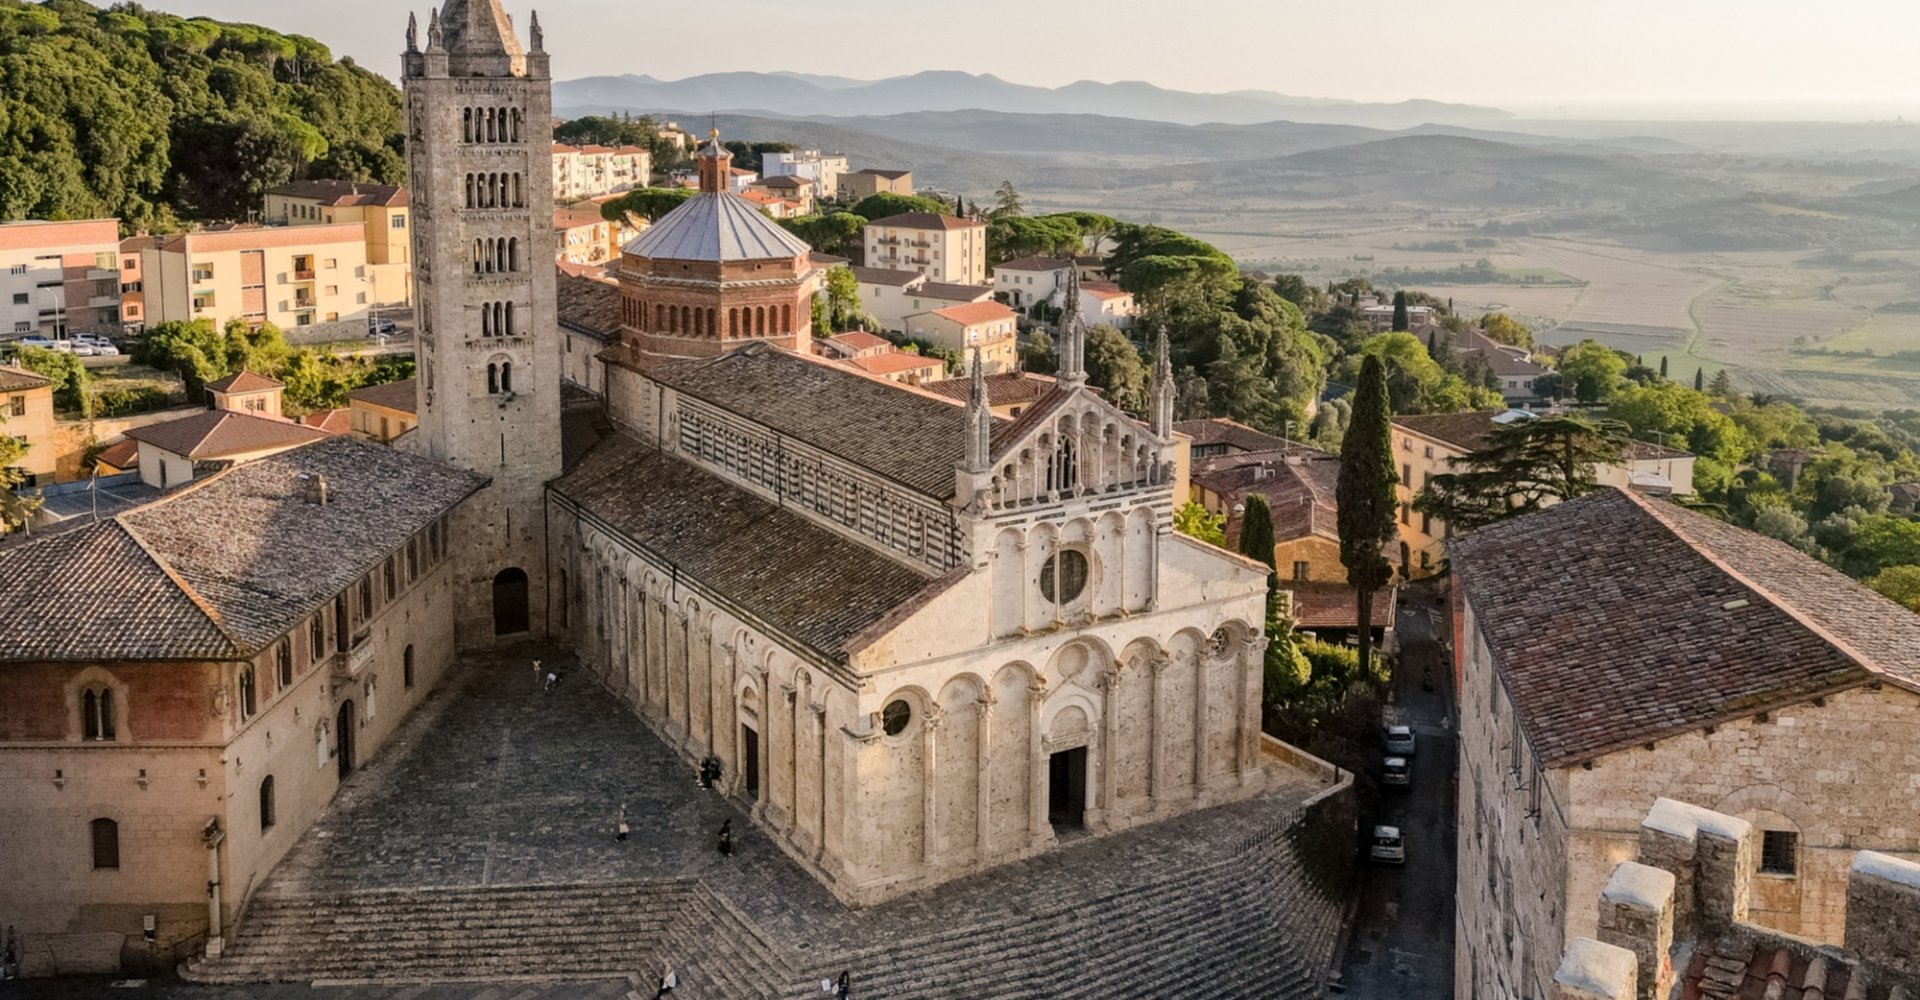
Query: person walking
[
  {"x": 538, "y": 675},
  {"x": 846, "y": 984},
  {"x": 726, "y": 838},
  {"x": 552, "y": 679},
  {"x": 620, "y": 824},
  {"x": 668, "y": 983}
]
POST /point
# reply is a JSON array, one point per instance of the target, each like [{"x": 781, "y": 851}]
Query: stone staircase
[{"x": 450, "y": 934}]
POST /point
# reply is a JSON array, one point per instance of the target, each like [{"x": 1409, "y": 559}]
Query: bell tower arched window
[{"x": 96, "y": 715}]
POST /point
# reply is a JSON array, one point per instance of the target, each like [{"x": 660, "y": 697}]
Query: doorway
[
  {"x": 1067, "y": 790},
  {"x": 750, "y": 767},
  {"x": 510, "y": 602},
  {"x": 343, "y": 726}
]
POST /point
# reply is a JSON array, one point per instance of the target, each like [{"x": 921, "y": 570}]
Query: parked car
[
  {"x": 1400, "y": 741},
  {"x": 77, "y": 348},
  {"x": 380, "y": 326},
  {"x": 1396, "y": 771},
  {"x": 38, "y": 342},
  {"x": 1388, "y": 848},
  {"x": 102, "y": 347}
]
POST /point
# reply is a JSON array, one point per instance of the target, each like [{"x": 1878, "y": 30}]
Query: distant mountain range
[{"x": 800, "y": 94}]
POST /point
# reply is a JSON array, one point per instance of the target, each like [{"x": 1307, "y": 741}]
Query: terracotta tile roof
[
  {"x": 567, "y": 218},
  {"x": 911, "y": 438},
  {"x": 1738, "y": 968},
  {"x": 892, "y": 175},
  {"x": 1335, "y": 605},
  {"x": 816, "y": 587},
  {"x": 1616, "y": 619},
  {"x": 976, "y": 313},
  {"x": 590, "y": 307},
  {"x": 344, "y": 194},
  {"x": 926, "y": 220},
  {"x": 1235, "y": 435},
  {"x": 787, "y": 181},
  {"x": 244, "y": 382},
  {"x": 20, "y": 379},
  {"x": 403, "y": 395},
  {"x": 1035, "y": 264},
  {"x": 886, "y": 276},
  {"x": 122, "y": 454},
  {"x": 1464, "y": 431},
  {"x": 222, "y": 434},
  {"x": 222, "y": 568},
  {"x": 954, "y": 292},
  {"x": 1006, "y": 389},
  {"x": 1299, "y": 493},
  {"x": 895, "y": 363},
  {"x": 860, "y": 340},
  {"x": 338, "y": 421},
  {"x": 1501, "y": 358},
  {"x": 1105, "y": 290}
]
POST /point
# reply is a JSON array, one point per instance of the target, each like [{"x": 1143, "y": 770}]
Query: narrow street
[{"x": 1402, "y": 945}]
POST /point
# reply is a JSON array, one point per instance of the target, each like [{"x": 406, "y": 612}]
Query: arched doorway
[
  {"x": 343, "y": 728},
  {"x": 510, "y": 602}
]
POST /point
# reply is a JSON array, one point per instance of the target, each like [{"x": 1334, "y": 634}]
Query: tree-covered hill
[{"x": 159, "y": 119}]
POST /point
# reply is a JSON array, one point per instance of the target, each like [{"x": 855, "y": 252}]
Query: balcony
[
  {"x": 104, "y": 302},
  {"x": 102, "y": 274},
  {"x": 349, "y": 664},
  {"x": 303, "y": 275}
]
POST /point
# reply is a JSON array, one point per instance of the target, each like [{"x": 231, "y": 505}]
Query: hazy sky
[{"x": 1526, "y": 54}]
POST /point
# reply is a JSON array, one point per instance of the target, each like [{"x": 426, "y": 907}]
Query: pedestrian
[
  {"x": 537, "y": 672},
  {"x": 620, "y": 824},
  {"x": 552, "y": 679},
  {"x": 726, "y": 838},
  {"x": 667, "y": 983},
  {"x": 846, "y": 984}
]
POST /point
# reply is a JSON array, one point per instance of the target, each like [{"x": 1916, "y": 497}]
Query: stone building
[
  {"x": 184, "y": 686},
  {"x": 974, "y": 637},
  {"x": 715, "y": 274},
  {"x": 479, "y": 110},
  {"x": 1674, "y": 922},
  {"x": 1616, "y": 649}
]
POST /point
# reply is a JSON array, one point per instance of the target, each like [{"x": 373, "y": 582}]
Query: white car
[
  {"x": 1396, "y": 771},
  {"x": 1388, "y": 848},
  {"x": 1400, "y": 741},
  {"x": 102, "y": 347}
]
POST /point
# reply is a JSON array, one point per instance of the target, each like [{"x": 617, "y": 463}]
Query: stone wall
[
  {"x": 1883, "y": 911},
  {"x": 1837, "y": 771}
]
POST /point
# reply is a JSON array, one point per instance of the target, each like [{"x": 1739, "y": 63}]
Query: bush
[{"x": 125, "y": 400}]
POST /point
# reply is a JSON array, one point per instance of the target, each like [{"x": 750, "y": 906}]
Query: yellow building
[
  {"x": 384, "y": 412},
  {"x": 582, "y": 238},
  {"x": 380, "y": 209},
  {"x": 26, "y": 413},
  {"x": 988, "y": 327},
  {"x": 291, "y": 277},
  {"x": 942, "y": 247}
]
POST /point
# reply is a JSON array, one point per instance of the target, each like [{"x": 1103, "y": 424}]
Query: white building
[
  {"x": 582, "y": 172},
  {"x": 58, "y": 278},
  {"x": 823, "y": 169},
  {"x": 890, "y": 297},
  {"x": 1106, "y": 302}
]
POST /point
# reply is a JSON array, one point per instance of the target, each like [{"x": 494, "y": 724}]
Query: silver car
[
  {"x": 1396, "y": 771},
  {"x": 1388, "y": 847},
  {"x": 1400, "y": 741}
]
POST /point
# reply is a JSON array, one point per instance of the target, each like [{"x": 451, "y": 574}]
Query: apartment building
[
  {"x": 823, "y": 169},
  {"x": 59, "y": 278},
  {"x": 944, "y": 248},
  {"x": 26, "y": 414},
  {"x": 381, "y": 209},
  {"x": 582, "y": 172},
  {"x": 988, "y": 327},
  {"x": 291, "y": 276}
]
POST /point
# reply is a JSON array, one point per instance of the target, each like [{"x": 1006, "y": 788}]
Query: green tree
[
  {"x": 645, "y": 203},
  {"x": 191, "y": 349},
  {"x": 841, "y": 304},
  {"x": 1007, "y": 202},
  {"x": 1256, "y": 531},
  {"x": 1663, "y": 366},
  {"x": 1365, "y": 495},
  {"x": 1699, "y": 380},
  {"x": 1195, "y": 521},
  {"x": 1038, "y": 355},
  {"x": 15, "y": 510},
  {"x": 1094, "y": 227},
  {"x": 886, "y": 204},
  {"x": 1114, "y": 365},
  {"x": 1416, "y": 383},
  {"x": 1722, "y": 386},
  {"x": 1900, "y": 584},
  {"x": 596, "y": 130},
  {"x": 1593, "y": 370},
  {"x": 1401, "y": 322},
  {"x": 1507, "y": 330},
  {"x": 1523, "y": 467},
  {"x": 836, "y": 233},
  {"x": 1010, "y": 237}
]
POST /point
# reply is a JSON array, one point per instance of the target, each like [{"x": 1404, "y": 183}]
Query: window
[
  {"x": 266, "y": 803},
  {"x": 283, "y": 665},
  {"x": 1779, "y": 852},
  {"x": 406, "y": 665},
  {"x": 894, "y": 718},
  {"x": 20, "y": 298},
  {"x": 1429, "y": 450},
  {"x": 106, "y": 845},
  {"x": 17, "y": 406},
  {"x": 1426, "y": 524},
  {"x": 1406, "y": 513},
  {"x": 392, "y": 569},
  {"x": 316, "y": 639},
  {"x": 96, "y": 715},
  {"x": 1064, "y": 576},
  {"x": 366, "y": 598},
  {"x": 249, "y": 694},
  {"x": 399, "y": 222},
  {"x": 1406, "y": 474},
  {"x": 1302, "y": 571}
]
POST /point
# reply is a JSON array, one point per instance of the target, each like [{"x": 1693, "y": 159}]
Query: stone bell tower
[{"x": 480, "y": 173}]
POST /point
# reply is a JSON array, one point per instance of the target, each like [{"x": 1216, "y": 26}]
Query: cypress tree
[
  {"x": 1699, "y": 379},
  {"x": 1366, "y": 498},
  {"x": 1663, "y": 366},
  {"x": 1721, "y": 386},
  {"x": 1256, "y": 531},
  {"x": 1401, "y": 322}
]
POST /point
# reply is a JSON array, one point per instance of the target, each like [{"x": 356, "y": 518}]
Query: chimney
[
  {"x": 1636, "y": 913},
  {"x": 316, "y": 488},
  {"x": 1883, "y": 911},
  {"x": 1590, "y": 970},
  {"x": 1710, "y": 856}
]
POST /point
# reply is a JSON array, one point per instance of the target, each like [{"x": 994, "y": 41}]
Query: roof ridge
[
  {"x": 1786, "y": 607},
  {"x": 186, "y": 589}
]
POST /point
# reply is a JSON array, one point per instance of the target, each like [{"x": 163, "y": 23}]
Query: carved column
[
  {"x": 820, "y": 730},
  {"x": 1037, "y": 832},
  {"x": 1109, "y": 739},
  {"x": 983, "y": 809},
  {"x": 790, "y": 743},
  {"x": 1252, "y": 671},
  {"x": 929, "y": 788},
  {"x": 734, "y": 781},
  {"x": 1158, "y": 777},
  {"x": 700, "y": 685},
  {"x": 623, "y": 618},
  {"x": 765, "y": 729},
  {"x": 676, "y": 651},
  {"x": 644, "y": 642},
  {"x": 1200, "y": 657}
]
